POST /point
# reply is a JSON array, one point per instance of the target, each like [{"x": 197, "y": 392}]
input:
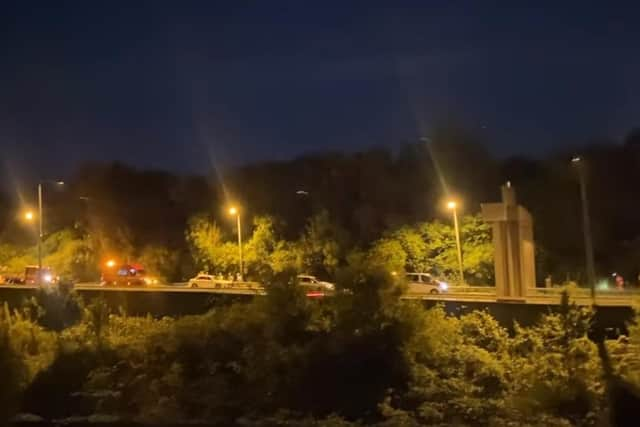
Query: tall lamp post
[
  {"x": 29, "y": 216},
  {"x": 579, "y": 163},
  {"x": 453, "y": 207},
  {"x": 234, "y": 211}
]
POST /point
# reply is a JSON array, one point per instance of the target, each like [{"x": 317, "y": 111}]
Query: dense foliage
[
  {"x": 355, "y": 199},
  {"x": 431, "y": 247},
  {"x": 321, "y": 249},
  {"x": 364, "y": 357}
]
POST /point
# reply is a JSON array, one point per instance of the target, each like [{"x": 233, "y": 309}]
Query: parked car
[
  {"x": 425, "y": 283},
  {"x": 204, "y": 281},
  {"x": 33, "y": 275},
  {"x": 12, "y": 280},
  {"x": 313, "y": 286},
  {"x": 126, "y": 275}
]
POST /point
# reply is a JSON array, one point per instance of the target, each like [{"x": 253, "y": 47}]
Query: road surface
[{"x": 471, "y": 294}]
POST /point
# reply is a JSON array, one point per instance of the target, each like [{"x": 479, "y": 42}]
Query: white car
[
  {"x": 204, "y": 281},
  {"x": 312, "y": 284},
  {"x": 424, "y": 283}
]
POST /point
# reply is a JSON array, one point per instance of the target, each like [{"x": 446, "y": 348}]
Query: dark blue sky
[{"x": 185, "y": 85}]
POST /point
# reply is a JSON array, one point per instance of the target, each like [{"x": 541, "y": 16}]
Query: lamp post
[
  {"x": 579, "y": 163},
  {"x": 29, "y": 217},
  {"x": 306, "y": 209},
  {"x": 234, "y": 211},
  {"x": 453, "y": 207}
]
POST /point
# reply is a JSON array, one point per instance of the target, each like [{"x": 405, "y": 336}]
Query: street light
[
  {"x": 453, "y": 207},
  {"x": 233, "y": 211},
  {"x": 29, "y": 217},
  {"x": 579, "y": 163}
]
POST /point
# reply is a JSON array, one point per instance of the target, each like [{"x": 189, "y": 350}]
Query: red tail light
[{"x": 315, "y": 294}]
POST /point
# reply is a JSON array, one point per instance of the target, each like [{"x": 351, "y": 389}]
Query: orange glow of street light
[
  {"x": 111, "y": 263},
  {"x": 451, "y": 204},
  {"x": 29, "y": 216},
  {"x": 233, "y": 210}
]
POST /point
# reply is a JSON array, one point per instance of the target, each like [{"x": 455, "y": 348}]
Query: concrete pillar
[{"x": 514, "y": 250}]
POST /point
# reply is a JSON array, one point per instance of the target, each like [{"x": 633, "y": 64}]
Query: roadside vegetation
[{"x": 364, "y": 357}]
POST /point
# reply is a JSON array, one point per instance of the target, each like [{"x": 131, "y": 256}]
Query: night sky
[{"x": 185, "y": 85}]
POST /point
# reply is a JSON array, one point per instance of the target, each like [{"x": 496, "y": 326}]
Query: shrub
[{"x": 12, "y": 371}]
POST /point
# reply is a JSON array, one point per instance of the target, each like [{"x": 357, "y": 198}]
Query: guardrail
[
  {"x": 583, "y": 292},
  {"x": 461, "y": 289}
]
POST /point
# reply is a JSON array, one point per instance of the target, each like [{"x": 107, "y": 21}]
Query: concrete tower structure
[{"x": 514, "y": 256}]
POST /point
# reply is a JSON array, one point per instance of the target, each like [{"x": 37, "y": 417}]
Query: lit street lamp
[
  {"x": 29, "y": 217},
  {"x": 453, "y": 207},
  {"x": 579, "y": 163},
  {"x": 234, "y": 211}
]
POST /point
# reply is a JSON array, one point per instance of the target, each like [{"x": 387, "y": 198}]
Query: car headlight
[{"x": 444, "y": 286}]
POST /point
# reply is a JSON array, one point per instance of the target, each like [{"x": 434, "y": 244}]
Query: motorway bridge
[
  {"x": 544, "y": 296},
  {"x": 614, "y": 309}
]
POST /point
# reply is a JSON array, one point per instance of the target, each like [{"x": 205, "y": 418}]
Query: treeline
[
  {"x": 320, "y": 250},
  {"x": 366, "y": 196},
  {"x": 364, "y": 357}
]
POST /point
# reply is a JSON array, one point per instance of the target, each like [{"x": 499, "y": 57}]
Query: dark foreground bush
[
  {"x": 363, "y": 357},
  {"x": 12, "y": 372},
  {"x": 56, "y": 308}
]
